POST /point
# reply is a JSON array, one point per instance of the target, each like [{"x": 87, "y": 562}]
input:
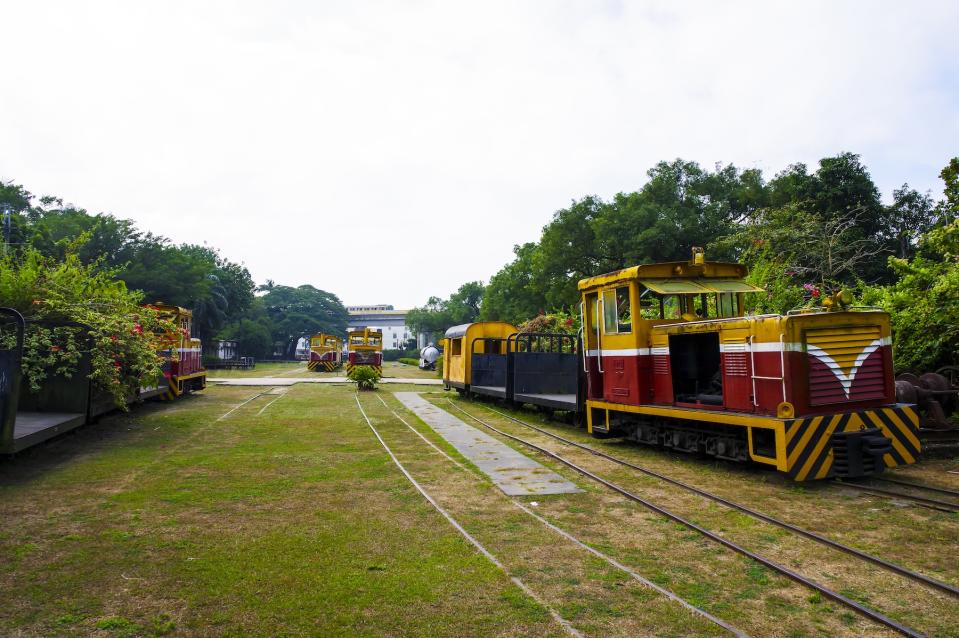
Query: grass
[
  {"x": 293, "y": 522},
  {"x": 914, "y": 537}
]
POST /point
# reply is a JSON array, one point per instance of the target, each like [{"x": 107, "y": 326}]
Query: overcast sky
[{"x": 389, "y": 151}]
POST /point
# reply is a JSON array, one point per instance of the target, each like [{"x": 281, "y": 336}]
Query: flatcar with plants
[
  {"x": 364, "y": 348},
  {"x": 46, "y": 393},
  {"x": 326, "y": 353},
  {"x": 667, "y": 356}
]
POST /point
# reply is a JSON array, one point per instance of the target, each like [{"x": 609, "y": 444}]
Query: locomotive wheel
[{"x": 951, "y": 373}]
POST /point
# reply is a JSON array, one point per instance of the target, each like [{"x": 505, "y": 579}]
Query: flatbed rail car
[
  {"x": 364, "y": 348},
  {"x": 64, "y": 403},
  {"x": 326, "y": 353}
]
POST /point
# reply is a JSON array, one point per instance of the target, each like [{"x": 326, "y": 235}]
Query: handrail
[
  {"x": 583, "y": 343},
  {"x": 557, "y": 338},
  {"x": 20, "y": 321},
  {"x": 11, "y": 386},
  {"x": 599, "y": 340}
]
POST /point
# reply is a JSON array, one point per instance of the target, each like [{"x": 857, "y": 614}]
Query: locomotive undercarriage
[{"x": 722, "y": 442}]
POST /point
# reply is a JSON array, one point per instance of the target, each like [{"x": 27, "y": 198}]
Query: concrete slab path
[{"x": 513, "y": 472}]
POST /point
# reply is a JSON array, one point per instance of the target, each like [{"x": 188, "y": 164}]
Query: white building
[{"x": 385, "y": 318}]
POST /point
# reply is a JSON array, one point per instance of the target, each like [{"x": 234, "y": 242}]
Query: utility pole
[{"x": 7, "y": 214}]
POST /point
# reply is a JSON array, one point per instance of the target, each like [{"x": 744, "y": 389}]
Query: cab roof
[{"x": 673, "y": 271}]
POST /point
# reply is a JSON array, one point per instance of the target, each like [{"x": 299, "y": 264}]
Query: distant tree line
[
  {"x": 803, "y": 233},
  {"x": 220, "y": 292}
]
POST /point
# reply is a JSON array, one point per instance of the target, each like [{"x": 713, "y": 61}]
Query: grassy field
[
  {"x": 267, "y": 512},
  {"x": 286, "y": 370},
  {"x": 921, "y": 539},
  {"x": 201, "y": 518}
]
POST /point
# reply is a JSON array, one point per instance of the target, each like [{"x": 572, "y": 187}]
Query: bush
[
  {"x": 396, "y": 355},
  {"x": 410, "y": 361},
  {"x": 119, "y": 334},
  {"x": 365, "y": 377}
]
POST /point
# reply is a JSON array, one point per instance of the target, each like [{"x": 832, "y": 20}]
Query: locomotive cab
[
  {"x": 325, "y": 352},
  {"x": 365, "y": 348}
]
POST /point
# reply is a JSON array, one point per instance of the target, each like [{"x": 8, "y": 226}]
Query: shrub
[
  {"x": 396, "y": 355},
  {"x": 118, "y": 334},
  {"x": 365, "y": 377},
  {"x": 410, "y": 361},
  {"x": 556, "y": 321}
]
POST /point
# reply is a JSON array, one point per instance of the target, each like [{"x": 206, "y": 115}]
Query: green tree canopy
[{"x": 299, "y": 312}]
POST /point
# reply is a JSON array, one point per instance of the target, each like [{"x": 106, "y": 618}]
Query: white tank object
[{"x": 428, "y": 356}]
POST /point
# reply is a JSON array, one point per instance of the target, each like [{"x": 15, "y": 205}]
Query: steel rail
[
  {"x": 918, "y": 486},
  {"x": 893, "y": 567},
  {"x": 563, "y": 622},
  {"x": 859, "y": 608},
  {"x": 612, "y": 561},
  {"x": 932, "y": 503}
]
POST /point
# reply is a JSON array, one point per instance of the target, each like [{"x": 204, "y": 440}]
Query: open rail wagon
[
  {"x": 62, "y": 402},
  {"x": 667, "y": 357},
  {"x": 365, "y": 348},
  {"x": 326, "y": 353}
]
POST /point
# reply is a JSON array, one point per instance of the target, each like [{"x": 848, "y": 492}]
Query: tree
[
  {"x": 911, "y": 215},
  {"x": 463, "y": 306},
  {"x": 300, "y": 312},
  {"x": 511, "y": 294}
]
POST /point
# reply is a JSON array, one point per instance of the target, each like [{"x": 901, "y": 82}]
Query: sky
[{"x": 389, "y": 151}]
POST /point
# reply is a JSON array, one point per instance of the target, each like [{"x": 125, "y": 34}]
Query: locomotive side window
[
  {"x": 671, "y": 307},
  {"x": 617, "y": 314},
  {"x": 456, "y": 347}
]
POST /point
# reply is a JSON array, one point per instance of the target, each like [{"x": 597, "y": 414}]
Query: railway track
[
  {"x": 931, "y": 503},
  {"x": 859, "y": 608}
]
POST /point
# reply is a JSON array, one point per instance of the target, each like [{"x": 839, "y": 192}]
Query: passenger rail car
[
  {"x": 365, "y": 348},
  {"x": 326, "y": 353},
  {"x": 669, "y": 358},
  {"x": 64, "y": 403}
]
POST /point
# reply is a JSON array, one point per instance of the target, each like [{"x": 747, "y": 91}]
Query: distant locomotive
[
  {"x": 365, "y": 348},
  {"x": 183, "y": 369},
  {"x": 326, "y": 353},
  {"x": 667, "y": 357}
]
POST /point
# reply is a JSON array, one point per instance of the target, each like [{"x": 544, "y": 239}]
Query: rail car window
[
  {"x": 456, "y": 347},
  {"x": 670, "y": 307},
  {"x": 617, "y": 315}
]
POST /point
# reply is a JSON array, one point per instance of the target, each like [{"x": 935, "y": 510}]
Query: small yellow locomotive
[
  {"x": 365, "y": 348},
  {"x": 326, "y": 353}
]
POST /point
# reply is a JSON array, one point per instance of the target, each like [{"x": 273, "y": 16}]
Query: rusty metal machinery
[{"x": 935, "y": 394}]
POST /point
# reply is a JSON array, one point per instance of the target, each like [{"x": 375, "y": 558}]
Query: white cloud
[{"x": 431, "y": 137}]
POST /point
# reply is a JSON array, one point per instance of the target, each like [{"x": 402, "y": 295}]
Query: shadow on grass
[{"x": 115, "y": 428}]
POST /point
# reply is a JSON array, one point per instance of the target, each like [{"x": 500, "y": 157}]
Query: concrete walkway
[
  {"x": 513, "y": 472},
  {"x": 254, "y": 381}
]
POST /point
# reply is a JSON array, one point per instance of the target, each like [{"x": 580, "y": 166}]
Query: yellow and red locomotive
[
  {"x": 365, "y": 348},
  {"x": 182, "y": 354},
  {"x": 668, "y": 357},
  {"x": 326, "y": 353}
]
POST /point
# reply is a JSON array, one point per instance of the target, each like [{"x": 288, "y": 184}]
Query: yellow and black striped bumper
[
  {"x": 350, "y": 366},
  {"x": 809, "y": 441}
]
